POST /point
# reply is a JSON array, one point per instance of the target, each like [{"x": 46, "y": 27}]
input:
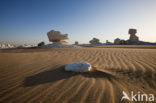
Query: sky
[{"x": 28, "y": 21}]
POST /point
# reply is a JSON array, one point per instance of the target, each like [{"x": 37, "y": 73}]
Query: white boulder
[{"x": 78, "y": 67}]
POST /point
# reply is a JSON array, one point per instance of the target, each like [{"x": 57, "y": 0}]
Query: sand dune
[{"x": 37, "y": 75}]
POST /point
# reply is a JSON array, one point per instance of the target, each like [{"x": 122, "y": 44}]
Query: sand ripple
[{"x": 32, "y": 76}]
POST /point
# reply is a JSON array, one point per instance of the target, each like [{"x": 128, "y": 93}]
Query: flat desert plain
[{"x": 38, "y": 76}]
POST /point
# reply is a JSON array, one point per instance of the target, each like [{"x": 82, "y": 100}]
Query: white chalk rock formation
[
  {"x": 78, "y": 67},
  {"x": 57, "y": 36},
  {"x": 133, "y": 38},
  {"x": 25, "y": 46},
  {"x": 6, "y": 46},
  {"x": 58, "y": 40}
]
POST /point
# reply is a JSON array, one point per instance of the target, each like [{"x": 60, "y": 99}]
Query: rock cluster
[
  {"x": 6, "y": 45},
  {"x": 57, "y": 37},
  {"x": 133, "y": 39},
  {"x": 26, "y": 46},
  {"x": 95, "y": 41}
]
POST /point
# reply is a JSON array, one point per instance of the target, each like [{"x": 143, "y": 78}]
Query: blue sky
[{"x": 28, "y": 21}]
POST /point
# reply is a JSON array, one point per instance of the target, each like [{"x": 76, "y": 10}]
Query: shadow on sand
[{"x": 59, "y": 73}]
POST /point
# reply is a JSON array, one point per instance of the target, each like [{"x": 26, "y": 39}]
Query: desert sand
[{"x": 38, "y": 76}]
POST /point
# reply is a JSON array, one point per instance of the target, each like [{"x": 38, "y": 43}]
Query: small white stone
[{"x": 78, "y": 67}]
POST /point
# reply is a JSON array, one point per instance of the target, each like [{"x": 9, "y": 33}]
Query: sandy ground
[{"x": 37, "y": 75}]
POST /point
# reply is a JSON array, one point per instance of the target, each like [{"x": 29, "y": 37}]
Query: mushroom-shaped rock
[
  {"x": 78, "y": 67},
  {"x": 133, "y": 38},
  {"x": 57, "y": 36}
]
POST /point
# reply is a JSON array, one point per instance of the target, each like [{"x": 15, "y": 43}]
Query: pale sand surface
[{"x": 37, "y": 75}]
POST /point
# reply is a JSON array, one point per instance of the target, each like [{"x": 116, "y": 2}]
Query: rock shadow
[
  {"x": 53, "y": 75},
  {"x": 99, "y": 74}
]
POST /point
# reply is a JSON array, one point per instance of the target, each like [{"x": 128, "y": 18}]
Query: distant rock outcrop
[
  {"x": 41, "y": 43},
  {"x": 57, "y": 36},
  {"x": 3, "y": 45},
  {"x": 76, "y": 42},
  {"x": 95, "y": 41},
  {"x": 123, "y": 42},
  {"x": 108, "y": 42},
  {"x": 133, "y": 38},
  {"x": 58, "y": 40},
  {"x": 117, "y": 41}
]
